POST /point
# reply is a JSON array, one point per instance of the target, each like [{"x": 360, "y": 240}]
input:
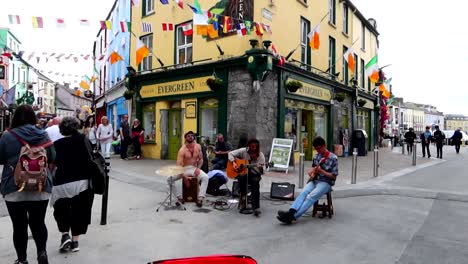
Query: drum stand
[{"x": 168, "y": 198}]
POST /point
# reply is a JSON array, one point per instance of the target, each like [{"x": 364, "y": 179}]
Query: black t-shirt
[
  {"x": 137, "y": 129},
  {"x": 222, "y": 146},
  {"x": 125, "y": 129}
]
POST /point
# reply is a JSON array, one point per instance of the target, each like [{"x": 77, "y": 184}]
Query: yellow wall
[{"x": 285, "y": 26}]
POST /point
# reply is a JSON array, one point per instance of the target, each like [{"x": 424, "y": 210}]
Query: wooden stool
[
  {"x": 325, "y": 208},
  {"x": 190, "y": 193}
]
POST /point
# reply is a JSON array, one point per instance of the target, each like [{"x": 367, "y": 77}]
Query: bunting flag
[
  {"x": 349, "y": 57},
  {"x": 202, "y": 30},
  {"x": 259, "y": 29},
  {"x": 125, "y": 26},
  {"x": 372, "y": 69},
  {"x": 167, "y": 26},
  {"x": 196, "y": 4},
  {"x": 212, "y": 32},
  {"x": 14, "y": 19},
  {"x": 78, "y": 92},
  {"x": 187, "y": 29},
  {"x": 241, "y": 31},
  {"x": 385, "y": 87},
  {"x": 107, "y": 24},
  {"x": 314, "y": 38},
  {"x": 146, "y": 27},
  {"x": 180, "y": 3},
  {"x": 94, "y": 78},
  {"x": 227, "y": 24},
  {"x": 141, "y": 51},
  {"x": 114, "y": 57},
  {"x": 84, "y": 85},
  {"x": 60, "y": 23},
  {"x": 37, "y": 22},
  {"x": 266, "y": 28},
  {"x": 84, "y": 22},
  {"x": 165, "y": 2},
  {"x": 248, "y": 27}
]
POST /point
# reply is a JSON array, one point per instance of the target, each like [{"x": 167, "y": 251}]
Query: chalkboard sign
[{"x": 281, "y": 152}]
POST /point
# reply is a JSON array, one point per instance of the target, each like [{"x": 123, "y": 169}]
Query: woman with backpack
[
  {"x": 72, "y": 198},
  {"x": 26, "y": 203}
]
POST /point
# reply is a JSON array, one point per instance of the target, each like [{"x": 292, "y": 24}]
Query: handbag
[{"x": 96, "y": 168}]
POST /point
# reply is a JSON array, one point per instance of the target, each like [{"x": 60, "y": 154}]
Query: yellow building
[
  {"x": 453, "y": 122},
  {"x": 174, "y": 97}
]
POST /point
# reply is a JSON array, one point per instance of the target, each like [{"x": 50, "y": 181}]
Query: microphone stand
[{"x": 247, "y": 210}]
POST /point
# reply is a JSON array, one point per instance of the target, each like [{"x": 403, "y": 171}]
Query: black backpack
[{"x": 96, "y": 168}]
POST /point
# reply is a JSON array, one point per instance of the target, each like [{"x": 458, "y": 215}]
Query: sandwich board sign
[{"x": 281, "y": 153}]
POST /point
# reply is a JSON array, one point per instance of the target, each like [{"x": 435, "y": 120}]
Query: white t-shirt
[
  {"x": 54, "y": 133},
  {"x": 105, "y": 133}
]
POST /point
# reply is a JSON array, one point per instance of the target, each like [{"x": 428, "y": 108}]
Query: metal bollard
[
  {"x": 403, "y": 148},
  {"x": 354, "y": 166},
  {"x": 414, "y": 154},
  {"x": 376, "y": 162},
  {"x": 301, "y": 170},
  {"x": 105, "y": 197}
]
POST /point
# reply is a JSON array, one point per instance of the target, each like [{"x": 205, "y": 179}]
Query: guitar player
[
  {"x": 253, "y": 154},
  {"x": 322, "y": 177}
]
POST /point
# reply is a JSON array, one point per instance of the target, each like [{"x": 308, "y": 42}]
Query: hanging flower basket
[
  {"x": 361, "y": 102},
  {"x": 293, "y": 86},
  {"x": 214, "y": 83},
  {"x": 340, "y": 97},
  {"x": 128, "y": 94}
]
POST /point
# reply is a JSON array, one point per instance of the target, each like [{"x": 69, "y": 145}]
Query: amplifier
[{"x": 282, "y": 191}]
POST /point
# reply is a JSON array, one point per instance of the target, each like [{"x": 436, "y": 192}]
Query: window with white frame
[
  {"x": 363, "y": 36},
  {"x": 345, "y": 18},
  {"x": 331, "y": 55},
  {"x": 184, "y": 46},
  {"x": 305, "y": 29},
  {"x": 332, "y": 11},
  {"x": 148, "y": 7},
  {"x": 146, "y": 64}
]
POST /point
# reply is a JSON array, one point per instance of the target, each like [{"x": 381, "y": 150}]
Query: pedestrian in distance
[
  {"x": 105, "y": 135},
  {"x": 125, "y": 138},
  {"x": 439, "y": 138},
  {"x": 410, "y": 136},
  {"x": 322, "y": 177},
  {"x": 457, "y": 139},
  {"x": 90, "y": 131},
  {"x": 25, "y": 207},
  {"x": 426, "y": 139},
  {"x": 221, "y": 150},
  {"x": 137, "y": 138},
  {"x": 72, "y": 197}
]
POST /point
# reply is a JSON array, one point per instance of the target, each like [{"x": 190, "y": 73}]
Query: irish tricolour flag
[{"x": 372, "y": 69}]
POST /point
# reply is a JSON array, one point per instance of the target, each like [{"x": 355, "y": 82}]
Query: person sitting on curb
[{"x": 322, "y": 177}]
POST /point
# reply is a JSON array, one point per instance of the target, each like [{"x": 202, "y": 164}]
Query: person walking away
[
  {"x": 439, "y": 138},
  {"x": 53, "y": 130},
  {"x": 426, "y": 138},
  {"x": 137, "y": 137},
  {"x": 105, "y": 134},
  {"x": 322, "y": 177},
  {"x": 222, "y": 149},
  {"x": 125, "y": 138},
  {"x": 25, "y": 207},
  {"x": 254, "y": 156},
  {"x": 410, "y": 136},
  {"x": 457, "y": 139},
  {"x": 72, "y": 199}
]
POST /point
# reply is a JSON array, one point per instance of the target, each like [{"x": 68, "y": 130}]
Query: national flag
[
  {"x": 200, "y": 18},
  {"x": 215, "y": 22},
  {"x": 84, "y": 85},
  {"x": 227, "y": 25},
  {"x": 77, "y": 92},
  {"x": 384, "y": 87},
  {"x": 14, "y": 19},
  {"x": 167, "y": 26},
  {"x": 248, "y": 27},
  {"x": 187, "y": 29},
  {"x": 125, "y": 26},
  {"x": 37, "y": 22},
  {"x": 106, "y": 24},
  {"x": 202, "y": 30},
  {"x": 180, "y": 3},
  {"x": 275, "y": 51},
  {"x": 266, "y": 28},
  {"x": 196, "y": 4},
  {"x": 194, "y": 9},
  {"x": 212, "y": 32},
  {"x": 372, "y": 69},
  {"x": 94, "y": 78},
  {"x": 259, "y": 29},
  {"x": 60, "y": 22},
  {"x": 165, "y": 2},
  {"x": 84, "y": 22},
  {"x": 314, "y": 38},
  {"x": 142, "y": 51},
  {"x": 349, "y": 57},
  {"x": 280, "y": 58},
  {"x": 241, "y": 31},
  {"x": 114, "y": 57},
  {"x": 146, "y": 27}
]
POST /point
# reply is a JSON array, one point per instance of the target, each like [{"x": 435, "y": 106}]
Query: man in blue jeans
[{"x": 322, "y": 177}]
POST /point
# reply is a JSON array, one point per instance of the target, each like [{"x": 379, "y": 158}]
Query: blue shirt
[{"x": 330, "y": 165}]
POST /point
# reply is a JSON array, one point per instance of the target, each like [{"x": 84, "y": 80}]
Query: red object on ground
[{"x": 216, "y": 259}]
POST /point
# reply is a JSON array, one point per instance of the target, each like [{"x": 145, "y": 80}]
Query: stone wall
[{"x": 252, "y": 109}]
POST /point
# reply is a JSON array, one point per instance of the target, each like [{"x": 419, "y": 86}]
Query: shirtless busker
[{"x": 191, "y": 158}]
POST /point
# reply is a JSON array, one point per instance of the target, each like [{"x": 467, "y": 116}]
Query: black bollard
[{"x": 105, "y": 197}]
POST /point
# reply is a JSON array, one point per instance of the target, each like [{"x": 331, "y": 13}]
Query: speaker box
[{"x": 282, "y": 191}]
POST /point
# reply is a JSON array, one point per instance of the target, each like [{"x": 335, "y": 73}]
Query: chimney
[{"x": 373, "y": 22}]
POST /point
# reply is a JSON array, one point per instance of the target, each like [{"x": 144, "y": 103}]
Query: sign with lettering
[
  {"x": 281, "y": 152},
  {"x": 188, "y": 86},
  {"x": 312, "y": 91},
  {"x": 267, "y": 14}
]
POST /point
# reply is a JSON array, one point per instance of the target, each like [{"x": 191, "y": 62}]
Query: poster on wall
[
  {"x": 281, "y": 153},
  {"x": 238, "y": 11}
]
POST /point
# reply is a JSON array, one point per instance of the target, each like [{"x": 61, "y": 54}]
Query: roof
[{"x": 361, "y": 17}]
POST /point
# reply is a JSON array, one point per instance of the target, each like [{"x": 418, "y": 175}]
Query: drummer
[{"x": 191, "y": 158}]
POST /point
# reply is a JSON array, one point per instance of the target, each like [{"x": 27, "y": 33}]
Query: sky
[{"x": 426, "y": 42}]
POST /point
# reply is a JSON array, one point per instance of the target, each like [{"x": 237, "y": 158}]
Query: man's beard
[{"x": 189, "y": 141}]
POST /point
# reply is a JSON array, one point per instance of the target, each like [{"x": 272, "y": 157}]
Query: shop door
[
  {"x": 174, "y": 133},
  {"x": 307, "y": 133}
]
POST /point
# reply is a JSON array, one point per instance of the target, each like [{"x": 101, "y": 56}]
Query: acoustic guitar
[{"x": 243, "y": 165}]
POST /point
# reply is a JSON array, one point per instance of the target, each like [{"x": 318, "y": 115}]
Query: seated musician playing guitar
[
  {"x": 254, "y": 156},
  {"x": 322, "y": 177}
]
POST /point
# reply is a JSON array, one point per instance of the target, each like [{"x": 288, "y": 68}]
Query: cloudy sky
[{"x": 426, "y": 42}]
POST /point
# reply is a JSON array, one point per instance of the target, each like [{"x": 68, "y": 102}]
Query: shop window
[
  {"x": 290, "y": 126},
  {"x": 184, "y": 46},
  {"x": 149, "y": 122},
  {"x": 209, "y": 119},
  {"x": 320, "y": 124}
]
